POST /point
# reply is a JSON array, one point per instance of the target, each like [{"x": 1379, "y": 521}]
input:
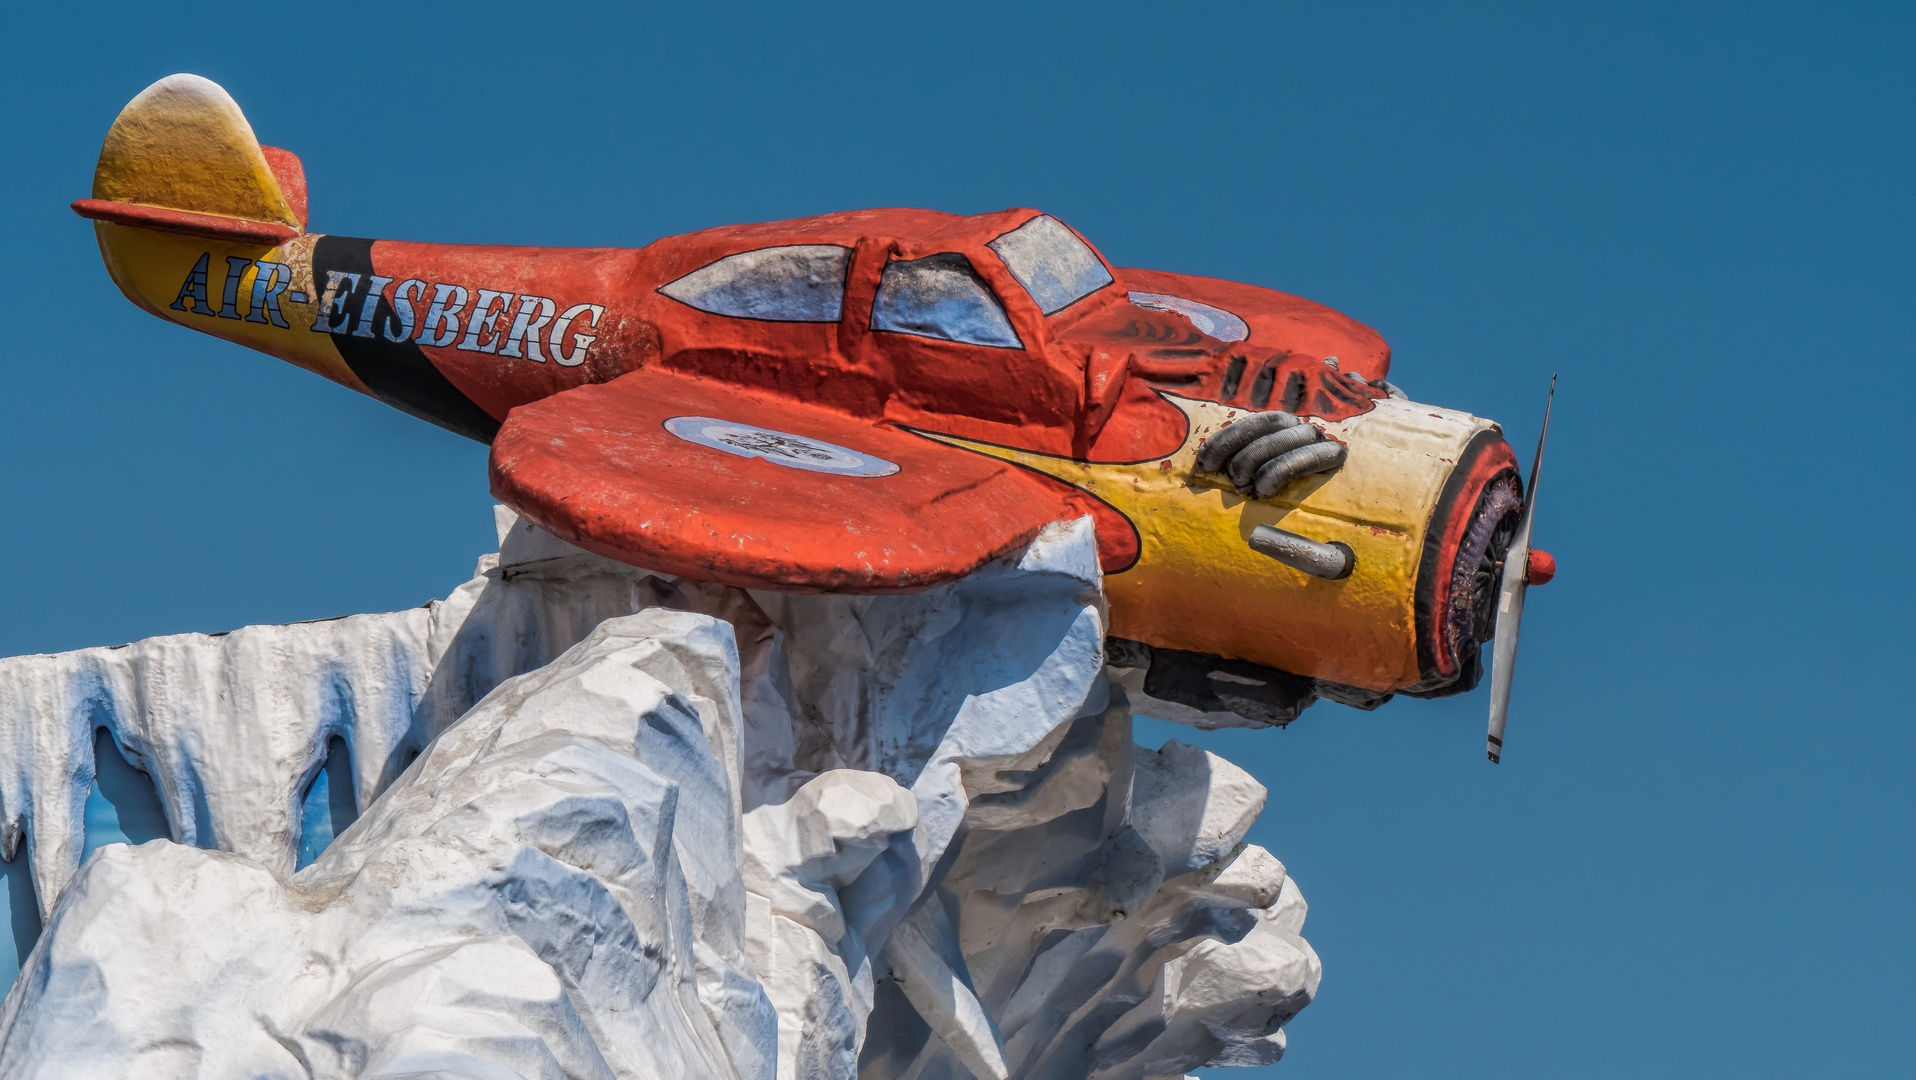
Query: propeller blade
[{"x": 1510, "y": 598}]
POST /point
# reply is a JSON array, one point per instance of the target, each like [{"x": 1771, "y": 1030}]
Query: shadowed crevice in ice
[
  {"x": 122, "y": 806},
  {"x": 21, "y": 927},
  {"x": 328, "y": 807}
]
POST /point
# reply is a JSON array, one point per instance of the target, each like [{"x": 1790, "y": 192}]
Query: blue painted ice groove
[
  {"x": 122, "y": 806},
  {"x": 328, "y": 806},
  {"x": 21, "y": 928}
]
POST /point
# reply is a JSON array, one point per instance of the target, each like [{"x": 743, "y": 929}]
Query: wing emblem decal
[{"x": 777, "y": 447}]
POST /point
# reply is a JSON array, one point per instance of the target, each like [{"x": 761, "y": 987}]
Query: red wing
[{"x": 709, "y": 481}]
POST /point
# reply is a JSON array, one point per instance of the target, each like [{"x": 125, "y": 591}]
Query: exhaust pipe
[{"x": 1333, "y": 561}]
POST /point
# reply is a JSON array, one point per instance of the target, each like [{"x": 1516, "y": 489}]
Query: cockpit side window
[
  {"x": 1053, "y": 265},
  {"x": 794, "y": 283},
  {"x": 941, "y": 296}
]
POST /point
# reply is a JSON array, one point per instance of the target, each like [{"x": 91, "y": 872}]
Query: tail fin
[
  {"x": 202, "y": 226},
  {"x": 181, "y": 158}
]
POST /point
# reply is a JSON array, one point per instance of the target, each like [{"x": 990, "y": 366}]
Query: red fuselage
[{"x": 461, "y": 335}]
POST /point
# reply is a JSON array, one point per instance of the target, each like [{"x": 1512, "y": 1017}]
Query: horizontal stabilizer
[{"x": 185, "y": 222}]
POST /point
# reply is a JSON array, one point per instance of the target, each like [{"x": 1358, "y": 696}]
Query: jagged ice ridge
[{"x": 620, "y": 826}]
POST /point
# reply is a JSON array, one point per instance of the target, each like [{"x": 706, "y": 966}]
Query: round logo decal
[{"x": 777, "y": 447}]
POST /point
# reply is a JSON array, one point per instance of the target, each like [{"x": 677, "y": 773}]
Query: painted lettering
[
  {"x": 399, "y": 323},
  {"x": 483, "y": 316},
  {"x": 269, "y": 281},
  {"x": 440, "y": 314},
  {"x": 581, "y": 342},
  {"x": 537, "y": 329},
  {"x": 195, "y": 287},
  {"x": 332, "y": 316},
  {"x": 375, "y": 292},
  {"x": 236, "y": 268},
  {"x": 534, "y": 313}
]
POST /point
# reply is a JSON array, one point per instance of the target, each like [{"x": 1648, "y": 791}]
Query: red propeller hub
[{"x": 1541, "y": 567}]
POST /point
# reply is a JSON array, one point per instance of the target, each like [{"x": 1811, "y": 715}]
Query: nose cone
[{"x": 1541, "y": 568}]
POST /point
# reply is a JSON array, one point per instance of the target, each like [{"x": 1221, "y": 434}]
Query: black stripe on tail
[{"x": 397, "y": 372}]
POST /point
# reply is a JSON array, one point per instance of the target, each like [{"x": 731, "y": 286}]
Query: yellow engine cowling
[{"x": 1414, "y": 473}]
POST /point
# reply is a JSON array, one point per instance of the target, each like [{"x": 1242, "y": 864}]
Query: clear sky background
[{"x": 1696, "y": 858}]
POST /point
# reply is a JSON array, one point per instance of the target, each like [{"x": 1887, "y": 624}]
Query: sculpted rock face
[{"x": 652, "y": 829}]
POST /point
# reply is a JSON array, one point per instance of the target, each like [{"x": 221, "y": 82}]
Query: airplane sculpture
[{"x": 879, "y": 401}]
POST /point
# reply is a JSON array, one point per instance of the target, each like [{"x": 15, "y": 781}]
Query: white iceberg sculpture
[{"x": 652, "y": 829}]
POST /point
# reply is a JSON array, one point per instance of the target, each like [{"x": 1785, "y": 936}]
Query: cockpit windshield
[{"x": 1053, "y": 265}]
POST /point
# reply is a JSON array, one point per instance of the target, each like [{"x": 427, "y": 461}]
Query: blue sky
[{"x": 1696, "y": 859}]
